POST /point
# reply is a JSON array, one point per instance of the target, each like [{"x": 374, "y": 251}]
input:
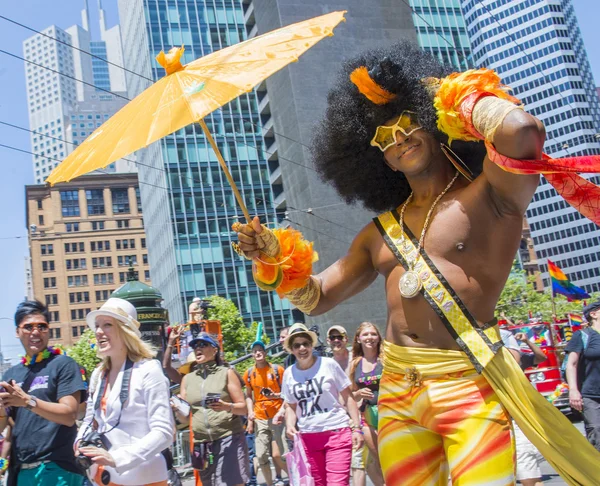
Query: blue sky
[{"x": 16, "y": 166}]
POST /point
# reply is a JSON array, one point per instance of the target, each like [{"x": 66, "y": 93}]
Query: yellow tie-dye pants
[{"x": 438, "y": 418}]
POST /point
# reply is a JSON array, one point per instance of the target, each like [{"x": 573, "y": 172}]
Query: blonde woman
[
  {"x": 365, "y": 373},
  {"x": 128, "y": 405}
]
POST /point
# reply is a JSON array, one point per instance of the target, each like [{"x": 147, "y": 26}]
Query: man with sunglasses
[
  {"x": 41, "y": 395},
  {"x": 337, "y": 338},
  {"x": 402, "y": 135}
]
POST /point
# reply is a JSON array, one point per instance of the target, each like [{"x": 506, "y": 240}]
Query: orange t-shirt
[{"x": 264, "y": 407}]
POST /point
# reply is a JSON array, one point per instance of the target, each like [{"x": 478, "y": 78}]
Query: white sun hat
[{"x": 119, "y": 309}]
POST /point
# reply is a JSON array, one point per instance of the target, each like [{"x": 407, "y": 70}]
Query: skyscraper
[
  {"x": 536, "y": 47},
  {"x": 441, "y": 30},
  {"x": 188, "y": 223},
  {"x": 62, "y": 111}
]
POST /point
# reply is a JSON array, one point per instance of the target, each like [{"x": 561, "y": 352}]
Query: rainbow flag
[
  {"x": 562, "y": 285},
  {"x": 575, "y": 321}
]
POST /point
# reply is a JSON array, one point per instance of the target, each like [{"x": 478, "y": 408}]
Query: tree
[
  {"x": 519, "y": 298},
  {"x": 84, "y": 352}
]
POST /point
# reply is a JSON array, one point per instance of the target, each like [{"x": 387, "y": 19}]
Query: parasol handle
[{"x": 236, "y": 192}]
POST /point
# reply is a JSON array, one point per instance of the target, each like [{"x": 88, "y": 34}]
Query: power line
[
  {"x": 71, "y": 143},
  {"x": 295, "y": 223},
  {"x": 63, "y": 74},
  {"x": 16, "y": 149},
  {"x": 136, "y": 74},
  {"x": 310, "y": 212},
  {"x": 73, "y": 47}
]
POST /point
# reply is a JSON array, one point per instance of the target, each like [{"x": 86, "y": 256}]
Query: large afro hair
[{"x": 341, "y": 146}]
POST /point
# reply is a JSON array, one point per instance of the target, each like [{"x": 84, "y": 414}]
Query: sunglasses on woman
[
  {"x": 303, "y": 344},
  {"x": 385, "y": 135}
]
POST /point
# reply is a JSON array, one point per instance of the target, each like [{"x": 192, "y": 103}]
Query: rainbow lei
[
  {"x": 3, "y": 464},
  {"x": 38, "y": 358}
]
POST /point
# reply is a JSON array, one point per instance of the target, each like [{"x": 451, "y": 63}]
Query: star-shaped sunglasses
[{"x": 385, "y": 136}]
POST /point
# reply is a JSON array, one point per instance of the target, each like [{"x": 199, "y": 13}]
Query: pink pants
[{"x": 329, "y": 455}]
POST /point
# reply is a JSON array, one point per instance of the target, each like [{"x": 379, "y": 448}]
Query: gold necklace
[{"x": 410, "y": 283}]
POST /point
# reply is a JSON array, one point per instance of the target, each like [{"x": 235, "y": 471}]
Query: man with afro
[{"x": 404, "y": 135}]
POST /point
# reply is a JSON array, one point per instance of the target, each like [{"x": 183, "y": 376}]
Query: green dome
[{"x": 137, "y": 292}]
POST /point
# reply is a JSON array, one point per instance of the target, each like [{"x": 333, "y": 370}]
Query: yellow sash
[{"x": 544, "y": 425}]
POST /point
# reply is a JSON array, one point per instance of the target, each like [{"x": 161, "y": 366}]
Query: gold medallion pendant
[{"x": 410, "y": 284}]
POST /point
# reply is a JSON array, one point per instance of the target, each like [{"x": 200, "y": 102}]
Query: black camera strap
[{"x": 123, "y": 395}]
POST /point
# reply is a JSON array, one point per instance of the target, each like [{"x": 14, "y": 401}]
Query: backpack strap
[
  {"x": 251, "y": 373},
  {"x": 585, "y": 337}
]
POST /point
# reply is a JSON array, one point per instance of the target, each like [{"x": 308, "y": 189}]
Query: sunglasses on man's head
[
  {"x": 385, "y": 136},
  {"x": 305, "y": 344},
  {"x": 41, "y": 327}
]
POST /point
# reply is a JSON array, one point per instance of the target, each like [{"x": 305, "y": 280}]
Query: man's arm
[
  {"x": 538, "y": 354},
  {"x": 520, "y": 136},
  {"x": 64, "y": 412},
  {"x": 345, "y": 278}
]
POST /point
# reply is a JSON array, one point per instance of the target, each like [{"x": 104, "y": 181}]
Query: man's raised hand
[{"x": 248, "y": 242}]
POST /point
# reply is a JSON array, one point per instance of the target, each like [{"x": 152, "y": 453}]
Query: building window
[
  {"x": 79, "y": 297},
  {"x": 143, "y": 242},
  {"x": 103, "y": 278},
  {"x": 48, "y": 266},
  {"x": 54, "y": 316},
  {"x": 123, "y": 223},
  {"x": 101, "y": 262},
  {"x": 71, "y": 227},
  {"x": 47, "y": 249},
  {"x": 74, "y": 330},
  {"x": 39, "y": 204},
  {"x": 79, "y": 314},
  {"x": 125, "y": 244},
  {"x": 70, "y": 203},
  {"x": 49, "y": 282},
  {"x": 77, "y": 281},
  {"x": 138, "y": 199},
  {"x": 147, "y": 275},
  {"x": 76, "y": 264},
  {"x": 145, "y": 258},
  {"x": 100, "y": 245},
  {"x": 95, "y": 201},
  {"x": 126, "y": 260},
  {"x": 55, "y": 333},
  {"x": 122, "y": 277},
  {"x": 41, "y": 220},
  {"x": 97, "y": 225},
  {"x": 52, "y": 299},
  {"x": 103, "y": 295},
  {"x": 120, "y": 201}
]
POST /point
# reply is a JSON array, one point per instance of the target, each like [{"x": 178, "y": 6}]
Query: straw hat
[
  {"x": 296, "y": 330},
  {"x": 119, "y": 309},
  {"x": 189, "y": 364}
]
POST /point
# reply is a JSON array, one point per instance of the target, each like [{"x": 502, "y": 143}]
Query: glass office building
[
  {"x": 441, "y": 30},
  {"x": 188, "y": 204},
  {"x": 536, "y": 47}
]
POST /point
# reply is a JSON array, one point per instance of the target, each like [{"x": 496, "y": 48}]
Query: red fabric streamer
[{"x": 563, "y": 175}]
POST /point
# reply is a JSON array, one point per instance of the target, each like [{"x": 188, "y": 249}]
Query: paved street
[{"x": 549, "y": 475}]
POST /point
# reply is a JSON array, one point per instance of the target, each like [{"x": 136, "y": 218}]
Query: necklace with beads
[
  {"x": 38, "y": 358},
  {"x": 410, "y": 283}
]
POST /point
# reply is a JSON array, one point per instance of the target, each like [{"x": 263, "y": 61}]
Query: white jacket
[{"x": 146, "y": 426}]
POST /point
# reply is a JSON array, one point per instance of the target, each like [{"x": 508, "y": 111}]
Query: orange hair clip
[{"x": 369, "y": 88}]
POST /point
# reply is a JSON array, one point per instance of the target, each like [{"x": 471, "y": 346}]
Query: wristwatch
[{"x": 31, "y": 403}]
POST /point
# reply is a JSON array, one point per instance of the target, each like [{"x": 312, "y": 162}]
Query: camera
[
  {"x": 93, "y": 439},
  {"x": 205, "y": 305}
]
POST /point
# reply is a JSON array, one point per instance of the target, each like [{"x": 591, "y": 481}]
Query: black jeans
[{"x": 591, "y": 419}]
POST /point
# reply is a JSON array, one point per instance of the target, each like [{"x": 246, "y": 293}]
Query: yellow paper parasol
[{"x": 188, "y": 93}]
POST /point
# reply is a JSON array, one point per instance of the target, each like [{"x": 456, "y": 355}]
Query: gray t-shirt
[{"x": 316, "y": 391}]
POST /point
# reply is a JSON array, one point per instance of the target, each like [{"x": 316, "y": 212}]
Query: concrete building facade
[
  {"x": 83, "y": 236},
  {"x": 536, "y": 47},
  {"x": 292, "y": 101}
]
